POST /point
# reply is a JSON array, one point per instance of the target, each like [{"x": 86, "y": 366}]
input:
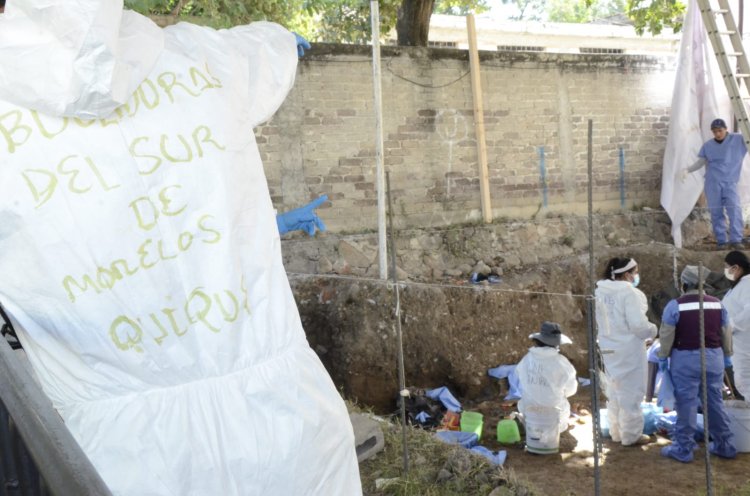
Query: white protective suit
[
  {"x": 141, "y": 258},
  {"x": 737, "y": 303},
  {"x": 623, "y": 329},
  {"x": 546, "y": 380}
]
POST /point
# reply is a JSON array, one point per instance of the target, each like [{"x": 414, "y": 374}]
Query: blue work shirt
[
  {"x": 725, "y": 158},
  {"x": 671, "y": 314}
]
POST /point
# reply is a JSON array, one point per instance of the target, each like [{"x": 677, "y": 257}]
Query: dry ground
[{"x": 623, "y": 470}]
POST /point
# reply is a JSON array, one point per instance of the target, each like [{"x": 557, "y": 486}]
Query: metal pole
[
  {"x": 399, "y": 335},
  {"x": 378, "y": 107},
  {"x": 622, "y": 177},
  {"x": 590, "y": 319},
  {"x": 704, "y": 388},
  {"x": 60, "y": 459}
]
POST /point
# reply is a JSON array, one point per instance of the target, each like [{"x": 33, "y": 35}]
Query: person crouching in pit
[{"x": 547, "y": 379}]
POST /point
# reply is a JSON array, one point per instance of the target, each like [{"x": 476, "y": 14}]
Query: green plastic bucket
[
  {"x": 507, "y": 431},
  {"x": 472, "y": 422}
]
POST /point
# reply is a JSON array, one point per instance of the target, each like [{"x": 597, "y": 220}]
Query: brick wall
[{"x": 322, "y": 139}]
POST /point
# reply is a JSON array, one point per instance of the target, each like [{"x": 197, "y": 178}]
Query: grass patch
[
  {"x": 721, "y": 490},
  {"x": 435, "y": 469}
]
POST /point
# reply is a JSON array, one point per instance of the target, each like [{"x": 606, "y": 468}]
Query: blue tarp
[
  {"x": 469, "y": 440},
  {"x": 446, "y": 398}
]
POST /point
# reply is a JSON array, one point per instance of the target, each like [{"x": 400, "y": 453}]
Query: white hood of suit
[{"x": 74, "y": 58}]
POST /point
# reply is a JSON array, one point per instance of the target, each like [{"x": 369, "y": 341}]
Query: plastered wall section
[{"x": 536, "y": 113}]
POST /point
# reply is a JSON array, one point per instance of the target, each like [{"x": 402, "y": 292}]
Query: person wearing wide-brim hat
[
  {"x": 550, "y": 335},
  {"x": 547, "y": 379}
]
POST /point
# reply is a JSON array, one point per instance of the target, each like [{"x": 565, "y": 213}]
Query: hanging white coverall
[
  {"x": 547, "y": 379},
  {"x": 140, "y": 256},
  {"x": 623, "y": 329},
  {"x": 737, "y": 303}
]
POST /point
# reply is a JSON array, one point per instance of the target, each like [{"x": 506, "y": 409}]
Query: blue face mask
[{"x": 636, "y": 280}]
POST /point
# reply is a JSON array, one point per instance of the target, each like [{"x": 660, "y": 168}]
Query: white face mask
[{"x": 728, "y": 273}]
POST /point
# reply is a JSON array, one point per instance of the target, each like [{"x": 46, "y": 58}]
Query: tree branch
[{"x": 177, "y": 8}]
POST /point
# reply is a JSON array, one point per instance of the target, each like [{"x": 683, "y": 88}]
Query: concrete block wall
[{"x": 322, "y": 140}]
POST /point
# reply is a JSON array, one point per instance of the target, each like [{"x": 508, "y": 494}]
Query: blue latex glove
[
  {"x": 302, "y": 45},
  {"x": 727, "y": 361},
  {"x": 423, "y": 417},
  {"x": 663, "y": 364},
  {"x": 302, "y": 218}
]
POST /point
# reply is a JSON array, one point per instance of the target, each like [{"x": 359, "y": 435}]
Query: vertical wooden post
[{"x": 476, "y": 91}]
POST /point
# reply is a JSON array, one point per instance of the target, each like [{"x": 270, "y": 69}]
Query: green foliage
[
  {"x": 655, "y": 15},
  {"x": 332, "y": 21},
  {"x": 579, "y": 11},
  {"x": 148, "y": 6},
  {"x": 461, "y": 7},
  {"x": 225, "y": 13},
  {"x": 348, "y": 21},
  {"x": 345, "y": 21},
  {"x": 528, "y": 10}
]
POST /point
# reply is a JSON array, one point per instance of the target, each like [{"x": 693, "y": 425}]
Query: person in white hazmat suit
[
  {"x": 141, "y": 260},
  {"x": 547, "y": 379},
  {"x": 623, "y": 330},
  {"x": 737, "y": 303}
]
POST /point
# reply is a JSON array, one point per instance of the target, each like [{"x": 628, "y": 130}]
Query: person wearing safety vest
[{"x": 679, "y": 356}]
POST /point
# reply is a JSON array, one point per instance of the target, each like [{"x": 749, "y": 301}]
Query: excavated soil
[{"x": 453, "y": 331}]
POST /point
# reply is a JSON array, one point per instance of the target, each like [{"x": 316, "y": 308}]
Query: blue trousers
[
  {"x": 685, "y": 368},
  {"x": 723, "y": 195}
]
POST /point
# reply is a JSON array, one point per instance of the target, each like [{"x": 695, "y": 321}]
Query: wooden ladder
[{"x": 729, "y": 56}]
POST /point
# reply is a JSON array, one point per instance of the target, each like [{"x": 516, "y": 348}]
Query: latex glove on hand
[
  {"x": 302, "y": 218},
  {"x": 663, "y": 364},
  {"x": 727, "y": 362},
  {"x": 684, "y": 173},
  {"x": 302, "y": 45}
]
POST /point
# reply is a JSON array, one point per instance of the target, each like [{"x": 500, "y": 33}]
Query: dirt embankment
[{"x": 453, "y": 331}]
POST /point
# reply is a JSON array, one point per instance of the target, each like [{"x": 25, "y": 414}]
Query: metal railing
[
  {"x": 39, "y": 455},
  {"x": 18, "y": 472}
]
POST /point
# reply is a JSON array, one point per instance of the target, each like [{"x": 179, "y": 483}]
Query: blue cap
[{"x": 718, "y": 123}]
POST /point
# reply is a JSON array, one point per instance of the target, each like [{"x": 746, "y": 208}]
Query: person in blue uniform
[
  {"x": 723, "y": 158},
  {"x": 679, "y": 356}
]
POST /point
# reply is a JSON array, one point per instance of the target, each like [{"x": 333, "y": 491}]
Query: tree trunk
[{"x": 413, "y": 25}]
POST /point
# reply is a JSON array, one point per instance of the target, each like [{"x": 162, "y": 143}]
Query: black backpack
[{"x": 417, "y": 402}]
